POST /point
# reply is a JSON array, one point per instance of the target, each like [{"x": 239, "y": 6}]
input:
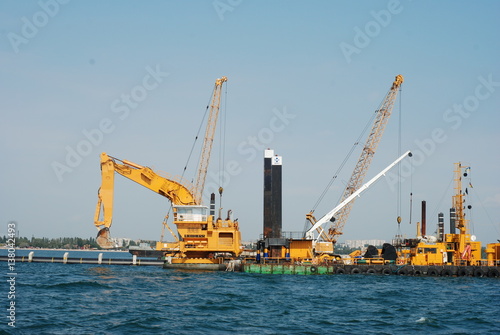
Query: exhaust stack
[
  {"x": 452, "y": 220},
  {"x": 212, "y": 205},
  {"x": 424, "y": 221},
  {"x": 440, "y": 227}
]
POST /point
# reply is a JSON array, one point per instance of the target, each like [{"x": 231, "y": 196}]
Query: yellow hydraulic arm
[{"x": 176, "y": 192}]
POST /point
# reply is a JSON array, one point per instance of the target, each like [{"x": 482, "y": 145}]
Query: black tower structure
[
  {"x": 268, "y": 186},
  {"x": 276, "y": 197},
  {"x": 272, "y": 242}
]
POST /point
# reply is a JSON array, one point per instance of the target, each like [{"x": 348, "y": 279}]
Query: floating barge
[{"x": 382, "y": 269}]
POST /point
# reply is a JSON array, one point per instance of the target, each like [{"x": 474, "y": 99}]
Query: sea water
[{"x": 53, "y": 298}]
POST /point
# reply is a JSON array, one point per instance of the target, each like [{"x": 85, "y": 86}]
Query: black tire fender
[
  {"x": 479, "y": 272},
  {"x": 493, "y": 273},
  {"x": 371, "y": 271},
  {"x": 314, "y": 269},
  {"x": 340, "y": 271},
  {"x": 402, "y": 272},
  {"x": 386, "y": 271},
  {"x": 355, "y": 271},
  {"x": 433, "y": 272}
]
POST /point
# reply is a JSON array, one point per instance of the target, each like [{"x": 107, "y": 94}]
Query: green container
[
  {"x": 323, "y": 270},
  {"x": 300, "y": 269}
]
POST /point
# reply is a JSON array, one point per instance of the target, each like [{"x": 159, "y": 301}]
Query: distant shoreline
[{"x": 4, "y": 247}]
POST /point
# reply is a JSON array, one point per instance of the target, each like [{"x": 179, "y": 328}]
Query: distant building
[
  {"x": 361, "y": 243},
  {"x": 121, "y": 241}
]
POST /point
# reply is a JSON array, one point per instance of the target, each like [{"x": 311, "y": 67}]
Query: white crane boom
[{"x": 330, "y": 214}]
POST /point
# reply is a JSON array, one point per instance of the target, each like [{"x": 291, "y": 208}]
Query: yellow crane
[
  {"x": 454, "y": 248},
  {"x": 209, "y": 139},
  {"x": 200, "y": 234},
  {"x": 361, "y": 168}
]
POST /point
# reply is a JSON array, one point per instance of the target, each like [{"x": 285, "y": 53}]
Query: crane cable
[
  {"x": 185, "y": 167},
  {"x": 398, "y": 202},
  {"x": 344, "y": 161},
  {"x": 222, "y": 147},
  {"x": 197, "y": 136},
  {"x": 188, "y": 159},
  {"x": 411, "y": 191},
  {"x": 485, "y": 210},
  {"x": 467, "y": 177}
]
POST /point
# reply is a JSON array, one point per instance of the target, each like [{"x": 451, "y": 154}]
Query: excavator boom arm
[
  {"x": 105, "y": 196},
  {"x": 176, "y": 192}
]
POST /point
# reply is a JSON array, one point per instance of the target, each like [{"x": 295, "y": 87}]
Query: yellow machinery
[
  {"x": 455, "y": 248},
  {"x": 383, "y": 113},
  {"x": 493, "y": 254},
  {"x": 201, "y": 235}
]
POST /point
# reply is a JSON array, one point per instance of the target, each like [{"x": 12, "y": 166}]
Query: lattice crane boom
[
  {"x": 359, "y": 173},
  {"x": 209, "y": 139}
]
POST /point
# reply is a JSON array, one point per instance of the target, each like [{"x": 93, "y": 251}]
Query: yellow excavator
[
  {"x": 201, "y": 236},
  {"x": 199, "y": 232}
]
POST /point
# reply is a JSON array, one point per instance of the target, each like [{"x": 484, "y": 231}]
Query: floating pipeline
[
  {"x": 338, "y": 269},
  {"x": 390, "y": 269},
  {"x": 85, "y": 260}
]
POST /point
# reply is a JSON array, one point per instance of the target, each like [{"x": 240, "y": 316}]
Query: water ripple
[{"x": 84, "y": 299}]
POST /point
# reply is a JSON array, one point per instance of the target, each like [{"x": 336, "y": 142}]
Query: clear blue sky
[{"x": 325, "y": 65}]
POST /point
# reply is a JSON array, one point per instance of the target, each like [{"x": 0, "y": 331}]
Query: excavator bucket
[{"x": 104, "y": 239}]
